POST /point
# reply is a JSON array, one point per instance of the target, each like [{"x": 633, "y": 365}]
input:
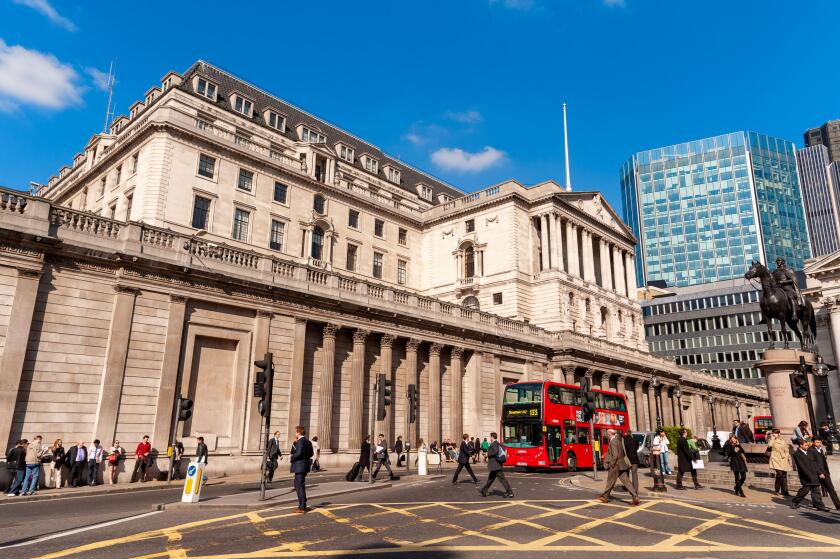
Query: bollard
[
  {"x": 193, "y": 482},
  {"x": 422, "y": 462}
]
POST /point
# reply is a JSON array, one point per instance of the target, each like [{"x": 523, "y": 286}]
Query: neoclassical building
[{"x": 216, "y": 222}]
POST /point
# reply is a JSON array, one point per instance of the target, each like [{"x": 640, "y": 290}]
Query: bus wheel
[{"x": 571, "y": 462}]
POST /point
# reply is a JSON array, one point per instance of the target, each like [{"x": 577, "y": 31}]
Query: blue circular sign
[{"x": 191, "y": 470}]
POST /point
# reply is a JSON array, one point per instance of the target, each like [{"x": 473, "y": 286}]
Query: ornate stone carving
[
  {"x": 261, "y": 313},
  {"x": 178, "y": 299},
  {"x": 126, "y": 289},
  {"x": 387, "y": 340},
  {"x": 359, "y": 336},
  {"x": 412, "y": 344},
  {"x": 29, "y": 273},
  {"x": 330, "y": 330},
  {"x": 457, "y": 352},
  {"x": 435, "y": 349}
]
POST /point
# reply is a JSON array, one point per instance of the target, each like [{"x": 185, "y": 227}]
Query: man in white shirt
[
  {"x": 661, "y": 441},
  {"x": 94, "y": 458}
]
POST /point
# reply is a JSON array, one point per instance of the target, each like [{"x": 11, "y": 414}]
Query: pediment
[
  {"x": 828, "y": 264},
  {"x": 596, "y": 206}
]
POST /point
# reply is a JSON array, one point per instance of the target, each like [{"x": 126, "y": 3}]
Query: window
[
  {"x": 134, "y": 160},
  {"x": 379, "y": 228},
  {"x": 319, "y": 203},
  {"x": 377, "y": 265},
  {"x": 119, "y": 175},
  {"x": 471, "y": 303},
  {"x": 241, "y": 218},
  {"x": 353, "y": 219},
  {"x": 470, "y": 224},
  {"x": 393, "y": 175},
  {"x": 402, "y": 267},
  {"x": 311, "y": 136},
  {"x": 426, "y": 192},
  {"x": 207, "y": 89},
  {"x": 469, "y": 262},
  {"x": 345, "y": 153},
  {"x": 201, "y": 212},
  {"x": 280, "y": 192},
  {"x": 276, "y": 121},
  {"x": 317, "y": 243},
  {"x": 497, "y": 299},
  {"x": 352, "y": 253},
  {"x": 242, "y": 105},
  {"x": 402, "y": 237},
  {"x": 275, "y": 242},
  {"x": 112, "y": 210},
  {"x": 371, "y": 165},
  {"x": 101, "y": 187},
  {"x": 246, "y": 180},
  {"x": 129, "y": 200},
  {"x": 206, "y": 166}
]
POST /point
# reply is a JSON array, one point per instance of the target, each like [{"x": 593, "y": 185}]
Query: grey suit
[{"x": 617, "y": 469}]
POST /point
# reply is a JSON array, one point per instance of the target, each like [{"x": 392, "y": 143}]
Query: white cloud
[
  {"x": 43, "y": 6},
  {"x": 422, "y": 133},
  {"x": 456, "y": 159},
  {"x": 29, "y": 77},
  {"x": 465, "y": 117},
  {"x": 414, "y": 138},
  {"x": 614, "y": 3},
  {"x": 522, "y": 5},
  {"x": 99, "y": 78}
]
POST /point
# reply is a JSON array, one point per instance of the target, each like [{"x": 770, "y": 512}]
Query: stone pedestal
[{"x": 787, "y": 411}]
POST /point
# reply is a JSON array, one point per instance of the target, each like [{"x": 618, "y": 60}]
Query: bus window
[
  {"x": 530, "y": 393},
  {"x": 570, "y": 435},
  {"x": 522, "y": 435},
  {"x": 583, "y": 435},
  {"x": 554, "y": 394},
  {"x": 560, "y": 395}
]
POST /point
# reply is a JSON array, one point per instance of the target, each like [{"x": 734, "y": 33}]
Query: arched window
[
  {"x": 317, "y": 243},
  {"x": 318, "y": 204},
  {"x": 469, "y": 262},
  {"x": 470, "y": 303}
]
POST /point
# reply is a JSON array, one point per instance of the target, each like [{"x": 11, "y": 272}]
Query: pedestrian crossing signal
[
  {"x": 184, "y": 408},
  {"x": 264, "y": 379},
  {"x": 587, "y": 398},
  {"x": 799, "y": 384},
  {"x": 383, "y": 396},
  {"x": 413, "y": 403}
]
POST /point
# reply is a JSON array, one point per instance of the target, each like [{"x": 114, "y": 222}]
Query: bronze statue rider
[{"x": 786, "y": 278}]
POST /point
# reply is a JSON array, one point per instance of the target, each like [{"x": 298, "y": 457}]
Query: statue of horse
[{"x": 776, "y": 304}]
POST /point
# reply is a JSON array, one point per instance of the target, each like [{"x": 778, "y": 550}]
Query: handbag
[{"x": 698, "y": 464}]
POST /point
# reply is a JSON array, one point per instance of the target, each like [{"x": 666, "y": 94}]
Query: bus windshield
[
  {"x": 530, "y": 393},
  {"x": 522, "y": 434}
]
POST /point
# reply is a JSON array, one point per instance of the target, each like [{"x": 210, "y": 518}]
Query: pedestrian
[
  {"x": 496, "y": 457},
  {"x": 779, "y": 462},
  {"x": 809, "y": 477},
  {"x": 742, "y": 432},
  {"x": 398, "y": 449},
  {"x": 16, "y": 464},
  {"x": 485, "y": 448},
  {"x": 177, "y": 456},
  {"x": 34, "y": 453},
  {"x": 201, "y": 454},
  {"x": 301, "y": 461},
  {"x": 661, "y": 442},
  {"x": 316, "y": 459},
  {"x": 631, "y": 450},
  {"x": 116, "y": 454},
  {"x": 685, "y": 457},
  {"x": 382, "y": 458},
  {"x": 56, "y": 464},
  {"x": 76, "y": 459},
  {"x": 737, "y": 463},
  {"x": 818, "y": 450},
  {"x": 824, "y": 434},
  {"x": 800, "y": 433},
  {"x": 464, "y": 454},
  {"x": 364, "y": 458},
  {"x": 274, "y": 455},
  {"x": 141, "y": 461},
  {"x": 94, "y": 458},
  {"x": 617, "y": 465}
]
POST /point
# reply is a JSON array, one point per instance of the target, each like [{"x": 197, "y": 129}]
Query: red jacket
[{"x": 143, "y": 449}]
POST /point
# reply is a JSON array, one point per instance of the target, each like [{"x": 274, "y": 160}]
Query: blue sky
[{"x": 469, "y": 90}]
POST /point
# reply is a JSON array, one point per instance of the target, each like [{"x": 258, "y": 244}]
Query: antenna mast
[
  {"x": 109, "y": 113},
  {"x": 566, "y": 146}
]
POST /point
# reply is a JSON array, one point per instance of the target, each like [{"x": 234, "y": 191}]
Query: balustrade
[{"x": 84, "y": 222}]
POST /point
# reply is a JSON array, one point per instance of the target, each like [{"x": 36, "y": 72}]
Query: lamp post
[
  {"x": 715, "y": 438},
  {"x": 821, "y": 371},
  {"x": 657, "y": 471},
  {"x": 656, "y": 396},
  {"x": 678, "y": 396}
]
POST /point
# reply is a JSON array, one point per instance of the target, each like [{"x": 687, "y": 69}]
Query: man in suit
[
  {"x": 809, "y": 477},
  {"x": 631, "y": 449},
  {"x": 381, "y": 456},
  {"x": 274, "y": 454},
  {"x": 464, "y": 454},
  {"x": 617, "y": 468},
  {"x": 201, "y": 451},
  {"x": 495, "y": 467},
  {"x": 301, "y": 459},
  {"x": 818, "y": 451},
  {"x": 398, "y": 449},
  {"x": 742, "y": 432},
  {"x": 76, "y": 458}
]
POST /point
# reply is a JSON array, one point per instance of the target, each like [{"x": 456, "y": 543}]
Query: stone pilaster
[
  {"x": 544, "y": 250},
  {"x": 296, "y": 378},
  {"x": 169, "y": 371},
  {"x": 568, "y": 374},
  {"x": 456, "y": 404},
  {"x": 630, "y": 275},
  {"x": 434, "y": 393},
  {"x": 556, "y": 242},
  {"x": 606, "y": 272},
  {"x": 358, "y": 390},
  {"x": 572, "y": 249},
  {"x": 386, "y": 352},
  {"x": 620, "y": 276},
  {"x": 325, "y": 409}
]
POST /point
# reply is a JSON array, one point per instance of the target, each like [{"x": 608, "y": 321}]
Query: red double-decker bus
[
  {"x": 762, "y": 424},
  {"x": 543, "y": 427}
]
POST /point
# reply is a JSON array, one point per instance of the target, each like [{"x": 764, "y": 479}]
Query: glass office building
[{"x": 703, "y": 210}]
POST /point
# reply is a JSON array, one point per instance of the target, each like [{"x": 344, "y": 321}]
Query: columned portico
[
  {"x": 456, "y": 410},
  {"x": 327, "y": 389},
  {"x": 358, "y": 388},
  {"x": 434, "y": 393}
]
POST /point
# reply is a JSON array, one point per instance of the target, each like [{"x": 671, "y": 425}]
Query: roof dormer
[
  {"x": 118, "y": 123},
  {"x": 370, "y": 163},
  {"x": 425, "y": 192},
  {"x": 152, "y": 94},
  {"x": 311, "y": 134},
  {"x": 241, "y": 104},
  {"x": 345, "y": 152},
  {"x": 444, "y": 198},
  {"x": 77, "y": 159},
  {"x": 275, "y": 119},
  {"x": 205, "y": 87},
  {"x": 135, "y": 109},
  {"x": 392, "y": 173},
  {"x": 171, "y": 79}
]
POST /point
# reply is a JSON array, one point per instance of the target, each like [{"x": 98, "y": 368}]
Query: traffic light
[
  {"x": 587, "y": 398},
  {"x": 184, "y": 408},
  {"x": 263, "y": 383},
  {"x": 383, "y": 396},
  {"x": 413, "y": 403},
  {"x": 799, "y": 384}
]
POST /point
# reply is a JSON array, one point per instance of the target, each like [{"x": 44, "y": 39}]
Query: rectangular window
[
  {"x": 101, "y": 187},
  {"x": 311, "y": 136},
  {"x": 276, "y": 121},
  {"x": 207, "y": 89},
  {"x": 377, "y": 265},
  {"x": 129, "y": 200},
  {"x": 134, "y": 160},
  {"x": 402, "y": 266},
  {"x": 393, "y": 175},
  {"x": 206, "y": 166},
  {"x": 371, "y": 165},
  {"x": 201, "y": 212},
  {"x": 241, "y": 218},
  {"x": 112, "y": 210},
  {"x": 353, "y": 219},
  {"x": 242, "y": 105},
  {"x": 280, "y": 192},
  {"x": 379, "y": 228},
  {"x": 345, "y": 153},
  {"x": 352, "y": 252},
  {"x": 470, "y": 224},
  {"x": 497, "y": 298},
  {"x": 276, "y": 239},
  {"x": 426, "y": 192},
  {"x": 402, "y": 237},
  {"x": 119, "y": 175},
  {"x": 246, "y": 180}
]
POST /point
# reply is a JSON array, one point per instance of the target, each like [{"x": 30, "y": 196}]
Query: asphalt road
[{"x": 548, "y": 516}]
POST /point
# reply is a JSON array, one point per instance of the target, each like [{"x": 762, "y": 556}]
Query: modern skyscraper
[
  {"x": 828, "y": 135},
  {"x": 702, "y": 210},
  {"x": 820, "y": 194}
]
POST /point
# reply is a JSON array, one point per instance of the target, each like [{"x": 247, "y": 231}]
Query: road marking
[{"x": 80, "y": 530}]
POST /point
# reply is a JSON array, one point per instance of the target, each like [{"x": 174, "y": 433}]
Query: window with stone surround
[
  {"x": 352, "y": 255},
  {"x": 319, "y": 204},
  {"x": 402, "y": 271},
  {"x": 402, "y": 237},
  {"x": 377, "y": 265},
  {"x": 241, "y": 222},
  {"x": 242, "y": 105},
  {"x": 346, "y": 153},
  {"x": 278, "y": 228},
  {"x": 317, "y": 243},
  {"x": 206, "y": 89},
  {"x": 281, "y": 192},
  {"x": 276, "y": 121},
  {"x": 206, "y": 166},
  {"x": 497, "y": 299},
  {"x": 379, "y": 228},
  {"x": 470, "y": 225},
  {"x": 246, "y": 180},
  {"x": 353, "y": 219}
]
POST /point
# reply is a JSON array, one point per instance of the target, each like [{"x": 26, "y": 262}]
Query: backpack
[{"x": 501, "y": 456}]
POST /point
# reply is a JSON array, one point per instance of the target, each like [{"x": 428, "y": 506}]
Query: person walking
[
  {"x": 617, "y": 465},
  {"x": 800, "y": 433},
  {"x": 398, "y": 449},
  {"x": 16, "y": 464},
  {"x": 631, "y": 450},
  {"x": 141, "y": 461},
  {"x": 94, "y": 458},
  {"x": 316, "y": 458},
  {"x": 779, "y": 462},
  {"x": 381, "y": 456},
  {"x": 827, "y": 485},
  {"x": 737, "y": 463},
  {"x": 685, "y": 457},
  {"x": 56, "y": 464},
  {"x": 301, "y": 462},
  {"x": 76, "y": 459},
  {"x": 661, "y": 442},
  {"x": 201, "y": 454},
  {"x": 742, "y": 432},
  {"x": 824, "y": 434},
  {"x": 116, "y": 454},
  {"x": 364, "y": 458},
  {"x": 496, "y": 457},
  {"x": 177, "y": 457},
  {"x": 34, "y": 453},
  {"x": 485, "y": 448},
  {"x": 464, "y": 453},
  {"x": 809, "y": 477},
  {"x": 274, "y": 455}
]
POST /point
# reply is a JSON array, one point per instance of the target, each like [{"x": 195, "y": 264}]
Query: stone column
[
  {"x": 572, "y": 249},
  {"x": 618, "y": 262},
  {"x": 606, "y": 275},
  {"x": 358, "y": 389},
  {"x": 620, "y": 385},
  {"x": 325, "y": 408},
  {"x": 556, "y": 242},
  {"x": 589, "y": 257},
  {"x": 641, "y": 415},
  {"x": 605, "y": 381},
  {"x": 14, "y": 352},
  {"x": 169, "y": 370},
  {"x": 652, "y": 405},
  {"x": 568, "y": 374},
  {"x": 105, "y": 425},
  {"x": 296, "y": 380},
  {"x": 667, "y": 405},
  {"x": 544, "y": 250},
  {"x": 253, "y": 419},
  {"x": 589, "y": 374},
  {"x": 386, "y": 344},
  {"x": 434, "y": 393},
  {"x": 630, "y": 275},
  {"x": 412, "y": 430},
  {"x": 456, "y": 405}
]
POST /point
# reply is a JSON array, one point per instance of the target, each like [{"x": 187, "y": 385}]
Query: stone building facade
[{"x": 217, "y": 222}]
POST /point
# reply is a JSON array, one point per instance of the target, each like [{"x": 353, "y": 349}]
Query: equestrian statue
[{"x": 781, "y": 299}]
